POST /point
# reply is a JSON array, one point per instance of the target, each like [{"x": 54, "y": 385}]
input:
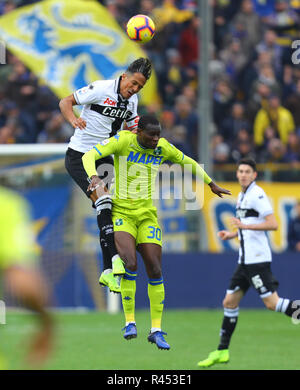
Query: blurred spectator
[
  {"x": 267, "y": 76},
  {"x": 172, "y": 78},
  {"x": 223, "y": 97},
  {"x": 223, "y": 12},
  {"x": 293, "y": 148},
  {"x": 247, "y": 26},
  {"x": 263, "y": 8},
  {"x": 168, "y": 13},
  {"x": 243, "y": 146},
  {"x": 185, "y": 116},
  {"x": 188, "y": 42},
  {"x": 276, "y": 151},
  {"x": 285, "y": 22},
  {"x": 7, "y": 135},
  {"x": 276, "y": 116},
  {"x": 269, "y": 44},
  {"x": 258, "y": 99},
  {"x": 220, "y": 150},
  {"x": 231, "y": 125},
  {"x": 233, "y": 58},
  {"x": 56, "y": 130},
  {"x": 293, "y": 104},
  {"x": 294, "y": 230},
  {"x": 178, "y": 139},
  {"x": 167, "y": 121}
]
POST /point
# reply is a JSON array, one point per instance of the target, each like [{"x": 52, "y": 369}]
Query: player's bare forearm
[
  {"x": 226, "y": 235},
  {"x": 66, "y": 107}
]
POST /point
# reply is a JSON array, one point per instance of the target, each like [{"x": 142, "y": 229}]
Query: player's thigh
[
  {"x": 262, "y": 279},
  {"x": 74, "y": 166},
  {"x": 151, "y": 254},
  {"x": 149, "y": 232},
  {"x": 238, "y": 286},
  {"x": 125, "y": 233},
  {"x": 125, "y": 244}
]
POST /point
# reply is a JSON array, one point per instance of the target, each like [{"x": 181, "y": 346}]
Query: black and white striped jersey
[
  {"x": 252, "y": 207},
  {"x": 104, "y": 111}
]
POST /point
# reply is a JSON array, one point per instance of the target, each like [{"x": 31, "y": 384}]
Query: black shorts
[
  {"x": 257, "y": 275},
  {"x": 74, "y": 166}
]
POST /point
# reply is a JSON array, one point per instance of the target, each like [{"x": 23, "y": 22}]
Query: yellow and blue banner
[{"x": 69, "y": 44}]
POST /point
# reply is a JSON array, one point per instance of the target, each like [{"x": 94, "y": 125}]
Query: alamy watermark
[
  {"x": 296, "y": 313},
  {"x": 165, "y": 182},
  {"x": 2, "y": 313},
  {"x": 296, "y": 53}
]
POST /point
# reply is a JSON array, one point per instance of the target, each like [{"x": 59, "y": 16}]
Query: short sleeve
[
  {"x": 262, "y": 204},
  {"x": 88, "y": 94}
]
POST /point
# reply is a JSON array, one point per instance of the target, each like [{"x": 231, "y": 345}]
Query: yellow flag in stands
[{"x": 69, "y": 44}]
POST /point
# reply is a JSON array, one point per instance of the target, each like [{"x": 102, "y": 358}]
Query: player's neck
[
  {"x": 140, "y": 144},
  {"x": 245, "y": 188}
]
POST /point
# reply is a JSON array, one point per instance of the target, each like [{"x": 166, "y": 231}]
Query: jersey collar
[
  {"x": 139, "y": 145},
  {"x": 251, "y": 185},
  {"x": 117, "y": 88}
]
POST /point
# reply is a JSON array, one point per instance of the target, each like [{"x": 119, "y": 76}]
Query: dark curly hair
[
  {"x": 248, "y": 161},
  {"x": 148, "y": 120},
  {"x": 141, "y": 65}
]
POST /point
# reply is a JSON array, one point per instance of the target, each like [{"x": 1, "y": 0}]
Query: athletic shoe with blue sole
[
  {"x": 158, "y": 339},
  {"x": 130, "y": 331}
]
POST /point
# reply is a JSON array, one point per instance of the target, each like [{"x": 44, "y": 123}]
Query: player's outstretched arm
[
  {"x": 218, "y": 190},
  {"x": 66, "y": 107},
  {"x": 198, "y": 171}
]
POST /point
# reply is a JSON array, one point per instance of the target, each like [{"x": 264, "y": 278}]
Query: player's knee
[
  {"x": 229, "y": 303},
  {"x": 155, "y": 271},
  {"x": 129, "y": 261},
  {"x": 270, "y": 305}
]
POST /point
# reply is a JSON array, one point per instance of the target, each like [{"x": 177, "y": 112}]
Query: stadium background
[{"x": 251, "y": 70}]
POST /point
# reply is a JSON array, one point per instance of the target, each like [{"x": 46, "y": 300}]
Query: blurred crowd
[{"x": 255, "y": 80}]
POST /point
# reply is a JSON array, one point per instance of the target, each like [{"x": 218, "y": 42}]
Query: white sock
[
  {"x": 115, "y": 257},
  {"x": 155, "y": 330},
  {"x": 130, "y": 322}
]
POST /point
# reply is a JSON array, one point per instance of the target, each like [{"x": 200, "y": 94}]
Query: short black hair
[
  {"x": 146, "y": 120},
  {"x": 248, "y": 161},
  {"x": 141, "y": 65}
]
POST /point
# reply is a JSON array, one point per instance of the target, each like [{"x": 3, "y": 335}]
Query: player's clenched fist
[
  {"x": 78, "y": 122},
  {"x": 225, "y": 235}
]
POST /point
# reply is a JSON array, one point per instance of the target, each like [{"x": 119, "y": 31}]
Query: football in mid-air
[{"x": 140, "y": 28}]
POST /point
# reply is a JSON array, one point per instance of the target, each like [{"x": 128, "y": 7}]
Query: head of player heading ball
[{"x": 140, "y": 28}]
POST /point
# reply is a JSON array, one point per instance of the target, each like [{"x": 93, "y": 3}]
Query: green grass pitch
[{"x": 93, "y": 341}]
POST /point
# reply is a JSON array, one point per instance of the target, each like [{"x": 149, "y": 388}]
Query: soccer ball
[{"x": 140, "y": 28}]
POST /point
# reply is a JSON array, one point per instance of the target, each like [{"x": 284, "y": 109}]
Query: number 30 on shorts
[{"x": 154, "y": 233}]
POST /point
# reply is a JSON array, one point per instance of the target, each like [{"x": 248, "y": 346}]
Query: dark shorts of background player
[
  {"x": 257, "y": 275},
  {"x": 74, "y": 166}
]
